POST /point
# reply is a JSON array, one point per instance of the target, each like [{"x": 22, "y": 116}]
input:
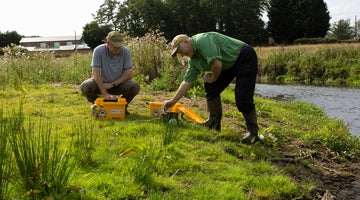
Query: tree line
[{"x": 288, "y": 20}]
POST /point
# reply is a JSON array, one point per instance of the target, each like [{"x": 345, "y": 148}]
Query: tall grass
[
  {"x": 150, "y": 55},
  {"x": 43, "y": 168},
  {"x": 84, "y": 143},
  {"x": 18, "y": 66},
  {"x": 323, "y": 64},
  {"x": 153, "y": 63},
  {"x": 5, "y": 157}
]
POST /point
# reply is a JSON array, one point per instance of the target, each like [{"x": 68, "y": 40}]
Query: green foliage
[
  {"x": 84, "y": 144},
  {"x": 110, "y": 14},
  {"x": 20, "y": 65},
  {"x": 94, "y": 34},
  {"x": 9, "y": 38},
  {"x": 315, "y": 41},
  {"x": 337, "y": 137},
  {"x": 138, "y": 157},
  {"x": 150, "y": 55},
  {"x": 196, "y": 91},
  {"x": 143, "y": 158},
  {"x": 341, "y": 30},
  {"x": 324, "y": 66},
  {"x": 5, "y": 158},
  {"x": 152, "y": 62},
  {"x": 43, "y": 170},
  {"x": 138, "y": 17},
  {"x": 289, "y": 20}
]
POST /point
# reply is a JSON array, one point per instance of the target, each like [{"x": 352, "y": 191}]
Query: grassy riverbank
[
  {"x": 330, "y": 64},
  {"x": 140, "y": 157},
  {"x": 51, "y": 146}
]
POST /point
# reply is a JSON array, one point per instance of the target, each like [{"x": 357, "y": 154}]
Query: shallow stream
[{"x": 338, "y": 103}]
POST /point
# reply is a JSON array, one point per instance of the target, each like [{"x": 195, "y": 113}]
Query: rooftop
[{"x": 50, "y": 39}]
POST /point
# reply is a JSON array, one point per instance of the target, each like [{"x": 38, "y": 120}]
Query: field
[{"x": 52, "y": 147}]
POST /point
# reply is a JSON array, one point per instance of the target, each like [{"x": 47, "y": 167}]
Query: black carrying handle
[{"x": 110, "y": 100}]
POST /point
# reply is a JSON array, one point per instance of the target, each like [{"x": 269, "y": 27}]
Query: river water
[{"x": 338, "y": 103}]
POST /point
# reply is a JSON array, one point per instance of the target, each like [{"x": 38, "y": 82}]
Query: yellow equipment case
[{"x": 109, "y": 109}]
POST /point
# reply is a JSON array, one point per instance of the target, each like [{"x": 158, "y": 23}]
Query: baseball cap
[
  {"x": 115, "y": 38},
  {"x": 175, "y": 43}
]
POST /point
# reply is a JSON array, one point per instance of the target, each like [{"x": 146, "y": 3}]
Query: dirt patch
[{"x": 334, "y": 179}]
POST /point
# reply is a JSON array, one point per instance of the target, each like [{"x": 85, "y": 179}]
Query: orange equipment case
[{"x": 109, "y": 109}]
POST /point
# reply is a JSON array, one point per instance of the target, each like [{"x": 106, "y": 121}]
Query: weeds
[
  {"x": 328, "y": 65},
  {"x": 44, "y": 171},
  {"x": 170, "y": 134},
  {"x": 155, "y": 160},
  {"x": 5, "y": 157},
  {"x": 84, "y": 144}
]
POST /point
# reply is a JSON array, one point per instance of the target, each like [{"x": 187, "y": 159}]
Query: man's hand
[
  {"x": 183, "y": 88},
  {"x": 208, "y": 78},
  {"x": 110, "y": 97},
  {"x": 108, "y": 85},
  {"x": 168, "y": 104}
]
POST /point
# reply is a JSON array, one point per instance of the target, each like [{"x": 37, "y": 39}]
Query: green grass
[
  {"x": 135, "y": 158},
  {"x": 140, "y": 157}
]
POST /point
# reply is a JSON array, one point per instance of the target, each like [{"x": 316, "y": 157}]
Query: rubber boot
[
  {"x": 252, "y": 127},
  {"x": 215, "y": 114}
]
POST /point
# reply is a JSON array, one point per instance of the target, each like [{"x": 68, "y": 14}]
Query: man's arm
[
  {"x": 103, "y": 87},
  {"x": 183, "y": 88},
  {"x": 96, "y": 71},
  {"x": 128, "y": 75},
  {"x": 216, "y": 66}
]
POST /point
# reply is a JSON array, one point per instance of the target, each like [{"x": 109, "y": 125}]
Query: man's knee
[
  {"x": 89, "y": 89},
  {"x": 245, "y": 107},
  {"x": 136, "y": 87},
  {"x": 132, "y": 87},
  {"x": 88, "y": 86}
]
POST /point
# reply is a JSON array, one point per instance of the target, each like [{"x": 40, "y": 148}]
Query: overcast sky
[{"x": 65, "y": 17}]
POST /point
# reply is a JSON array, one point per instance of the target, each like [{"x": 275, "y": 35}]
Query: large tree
[
  {"x": 237, "y": 18},
  {"x": 94, "y": 34},
  {"x": 109, "y": 14},
  {"x": 9, "y": 38},
  {"x": 357, "y": 29},
  {"x": 292, "y": 19},
  {"x": 341, "y": 30}
]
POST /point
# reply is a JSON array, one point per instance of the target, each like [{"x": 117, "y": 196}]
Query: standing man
[
  {"x": 112, "y": 72},
  {"x": 226, "y": 58}
]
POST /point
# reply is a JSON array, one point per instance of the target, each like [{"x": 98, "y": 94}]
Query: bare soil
[{"x": 333, "y": 177}]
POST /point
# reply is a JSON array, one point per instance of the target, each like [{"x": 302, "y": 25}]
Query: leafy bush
[
  {"x": 149, "y": 55},
  {"x": 315, "y": 41}
]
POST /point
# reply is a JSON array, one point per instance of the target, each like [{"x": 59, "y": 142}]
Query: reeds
[
  {"x": 331, "y": 64},
  {"x": 42, "y": 167},
  {"x": 84, "y": 144},
  {"x": 5, "y": 157}
]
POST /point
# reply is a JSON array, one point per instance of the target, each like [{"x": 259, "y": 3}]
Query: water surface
[{"x": 338, "y": 103}]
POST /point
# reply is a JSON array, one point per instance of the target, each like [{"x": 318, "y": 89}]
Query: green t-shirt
[{"x": 212, "y": 46}]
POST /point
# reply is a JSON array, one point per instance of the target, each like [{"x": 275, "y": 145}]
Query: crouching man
[{"x": 112, "y": 72}]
